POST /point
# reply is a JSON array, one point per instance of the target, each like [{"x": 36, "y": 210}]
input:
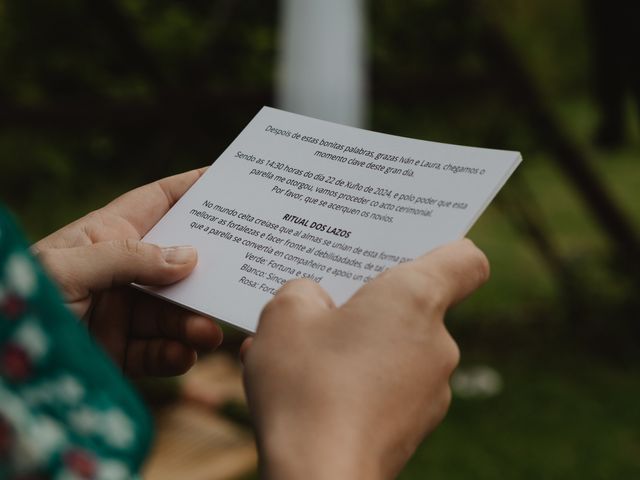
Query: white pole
[{"x": 322, "y": 70}]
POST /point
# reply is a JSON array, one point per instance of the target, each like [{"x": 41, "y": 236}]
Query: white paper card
[{"x": 297, "y": 197}]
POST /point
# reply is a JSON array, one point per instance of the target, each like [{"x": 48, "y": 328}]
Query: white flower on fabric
[
  {"x": 65, "y": 389},
  {"x": 85, "y": 420},
  {"x": 11, "y": 405},
  {"x": 41, "y": 439},
  {"x": 47, "y": 436},
  {"x": 31, "y": 337},
  {"x": 70, "y": 390},
  {"x": 19, "y": 417},
  {"x": 113, "y": 426},
  {"x": 112, "y": 470},
  {"x": 36, "y": 437},
  {"x": 20, "y": 274},
  {"x": 118, "y": 430}
]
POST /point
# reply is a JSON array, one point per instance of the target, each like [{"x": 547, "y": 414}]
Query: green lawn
[{"x": 558, "y": 417}]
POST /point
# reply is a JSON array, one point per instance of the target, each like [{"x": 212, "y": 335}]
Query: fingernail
[{"x": 179, "y": 255}]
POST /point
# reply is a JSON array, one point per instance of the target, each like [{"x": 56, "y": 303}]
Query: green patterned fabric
[{"x": 66, "y": 412}]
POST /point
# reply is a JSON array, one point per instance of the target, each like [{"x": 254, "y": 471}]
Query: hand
[
  {"x": 349, "y": 392},
  {"x": 95, "y": 258}
]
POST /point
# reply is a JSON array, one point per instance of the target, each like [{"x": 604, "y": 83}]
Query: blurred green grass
[{"x": 559, "y": 416}]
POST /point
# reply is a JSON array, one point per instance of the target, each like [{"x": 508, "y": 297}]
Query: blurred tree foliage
[
  {"x": 93, "y": 91},
  {"x": 96, "y": 97}
]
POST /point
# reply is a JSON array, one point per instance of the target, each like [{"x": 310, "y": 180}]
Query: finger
[
  {"x": 158, "y": 358},
  {"x": 295, "y": 301},
  {"x": 459, "y": 268},
  {"x": 144, "y": 206},
  {"x": 102, "y": 265},
  {"x": 436, "y": 280},
  {"x": 244, "y": 348},
  {"x": 155, "y": 318},
  {"x": 108, "y": 321},
  {"x": 306, "y": 294}
]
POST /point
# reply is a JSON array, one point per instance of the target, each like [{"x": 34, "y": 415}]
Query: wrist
[{"x": 317, "y": 453}]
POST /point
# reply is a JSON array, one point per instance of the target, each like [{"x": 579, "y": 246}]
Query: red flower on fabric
[
  {"x": 12, "y": 305},
  {"x": 15, "y": 363},
  {"x": 80, "y": 462}
]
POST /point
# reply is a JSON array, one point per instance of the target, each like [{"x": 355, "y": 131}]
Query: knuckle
[
  {"x": 389, "y": 274},
  {"x": 296, "y": 292},
  {"x": 94, "y": 217},
  {"x": 136, "y": 248},
  {"x": 303, "y": 284},
  {"x": 286, "y": 299},
  {"x": 440, "y": 401},
  {"x": 276, "y": 307},
  {"x": 484, "y": 267},
  {"x": 421, "y": 292},
  {"x": 52, "y": 263},
  {"x": 255, "y": 359},
  {"x": 292, "y": 301},
  {"x": 446, "y": 399},
  {"x": 46, "y": 259},
  {"x": 452, "y": 354},
  {"x": 479, "y": 261},
  {"x": 127, "y": 246},
  {"x": 427, "y": 292},
  {"x": 132, "y": 246}
]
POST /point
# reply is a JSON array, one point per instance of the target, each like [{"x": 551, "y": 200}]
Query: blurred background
[{"x": 97, "y": 97}]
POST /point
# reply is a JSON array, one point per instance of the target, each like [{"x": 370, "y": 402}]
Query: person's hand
[
  {"x": 95, "y": 258},
  {"x": 349, "y": 392}
]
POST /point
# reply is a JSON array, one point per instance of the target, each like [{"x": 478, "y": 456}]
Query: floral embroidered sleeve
[{"x": 66, "y": 412}]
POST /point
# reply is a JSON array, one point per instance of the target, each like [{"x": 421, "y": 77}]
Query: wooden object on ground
[{"x": 192, "y": 440}]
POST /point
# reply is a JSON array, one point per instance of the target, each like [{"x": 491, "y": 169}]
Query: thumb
[
  {"x": 298, "y": 301},
  {"x": 119, "y": 262}
]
